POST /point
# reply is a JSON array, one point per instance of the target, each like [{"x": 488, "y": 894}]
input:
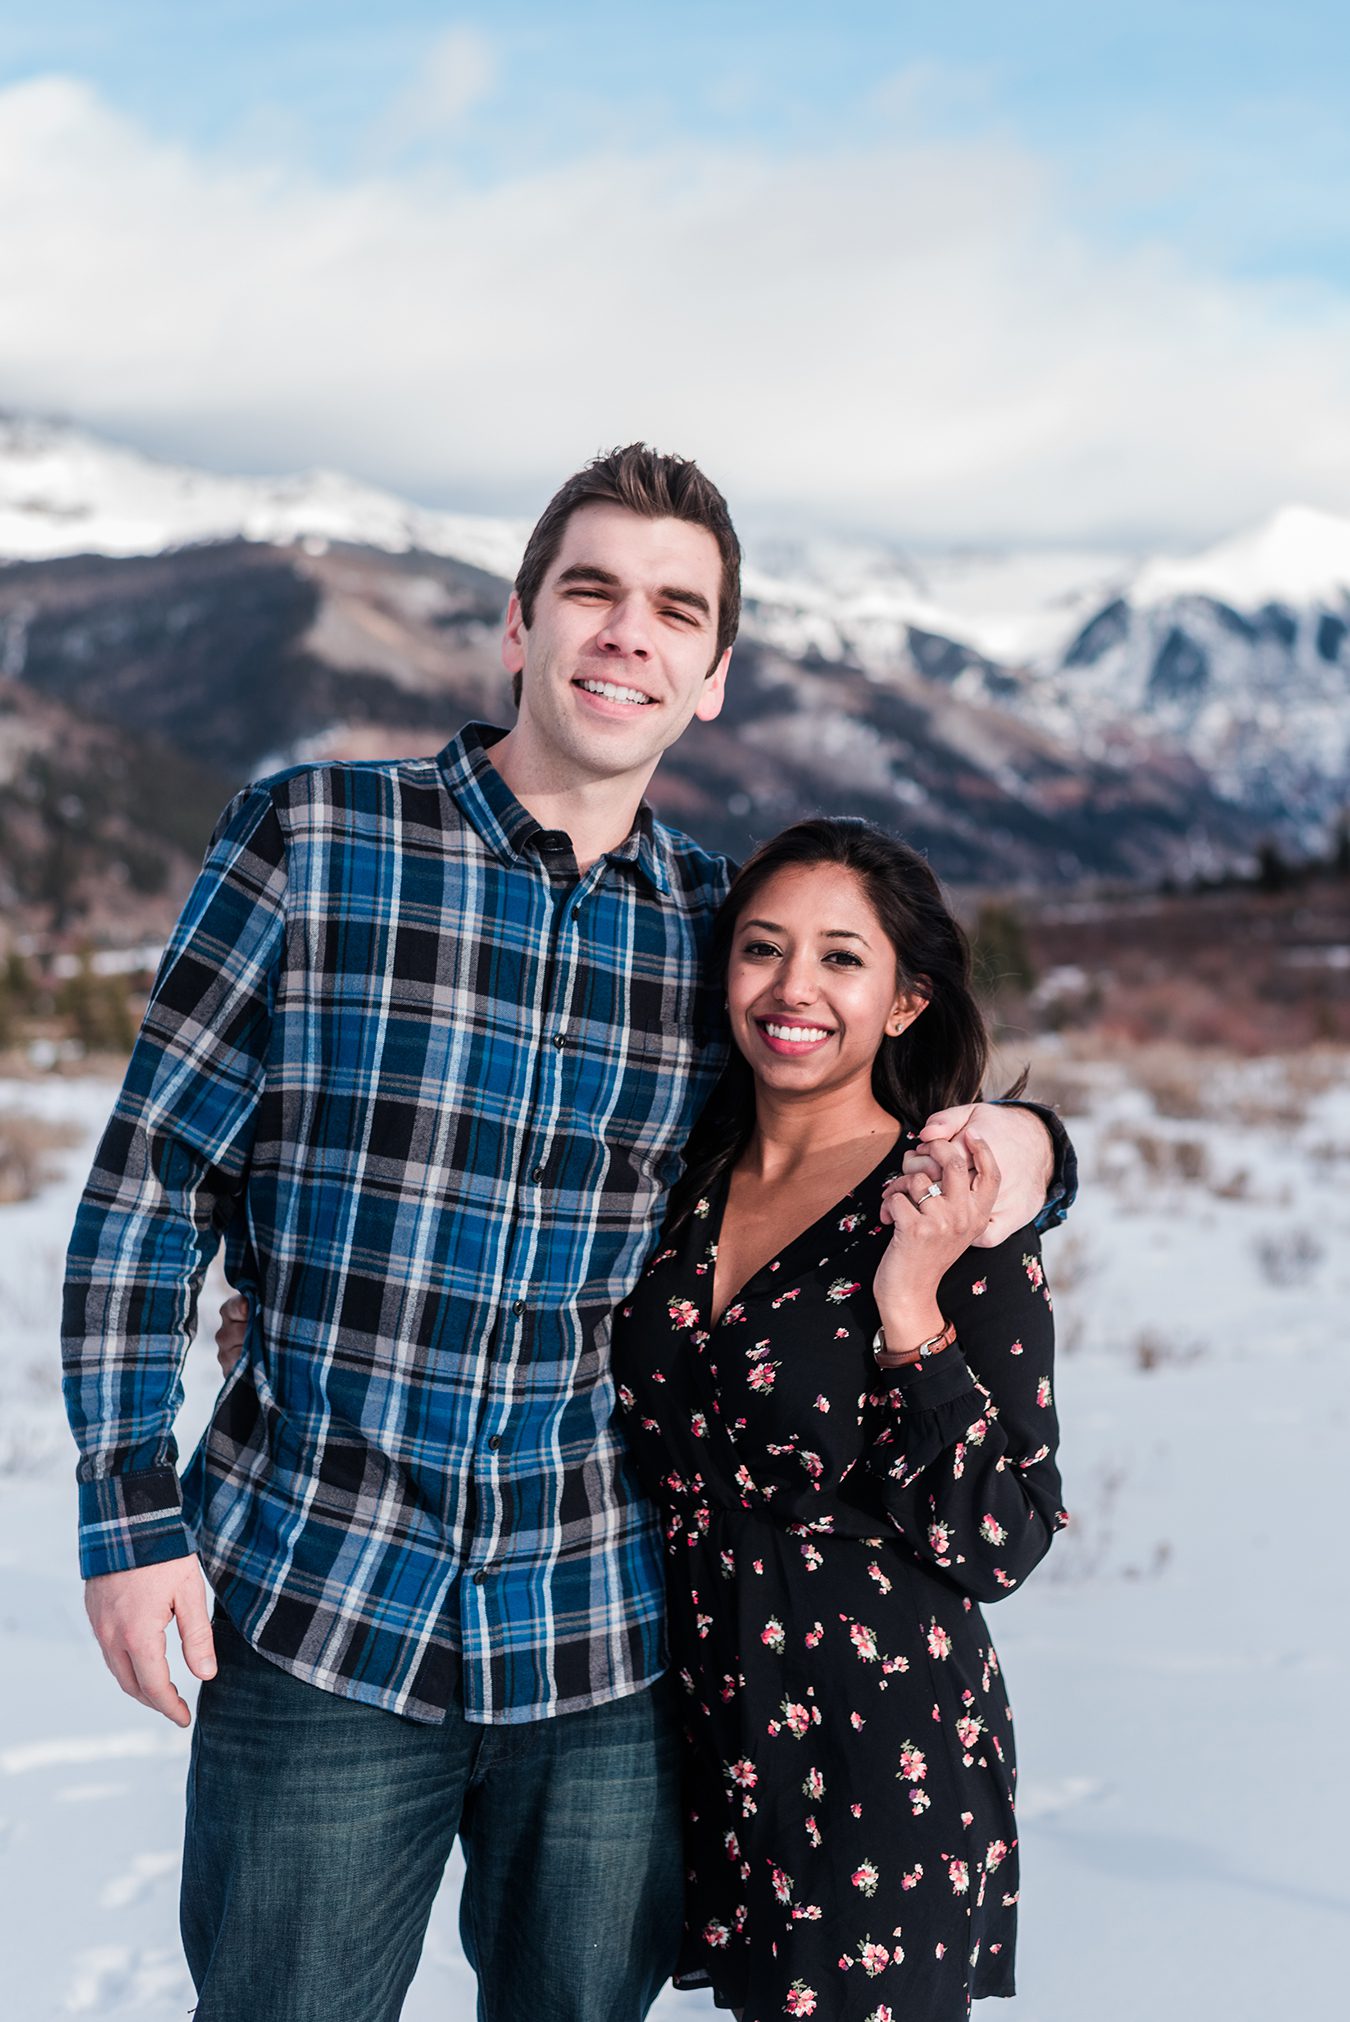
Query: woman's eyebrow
[{"x": 827, "y": 933}]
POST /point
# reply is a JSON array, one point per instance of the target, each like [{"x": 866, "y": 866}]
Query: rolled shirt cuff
[{"x": 129, "y": 1520}]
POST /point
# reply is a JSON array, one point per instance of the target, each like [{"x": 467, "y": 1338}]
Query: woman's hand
[
  {"x": 232, "y": 1331},
  {"x": 1025, "y": 1152},
  {"x": 930, "y": 1231}
]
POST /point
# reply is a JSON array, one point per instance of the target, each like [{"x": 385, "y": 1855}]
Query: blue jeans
[{"x": 318, "y": 1830}]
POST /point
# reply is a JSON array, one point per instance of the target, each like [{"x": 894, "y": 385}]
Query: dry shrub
[
  {"x": 1156, "y": 1350},
  {"x": 1060, "y": 1089},
  {"x": 1288, "y": 1256},
  {"x": 1188, "y": 1011},
  {"x": 1067, "y": 1262},
  {"x": 1315, "y": 1071},
  {"x": 1176, "y": 1080},
  {"x": 1164, "y": 1158},
  {"x": 1256, "y": 1109},
  {"x": 26, "y": 1147}
]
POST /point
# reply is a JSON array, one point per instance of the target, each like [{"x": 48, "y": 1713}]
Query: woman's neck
[{"x": 794, "y": 1134}]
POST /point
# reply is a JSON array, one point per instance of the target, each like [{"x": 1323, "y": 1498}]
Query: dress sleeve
[{"x": 965, "y": 1461}]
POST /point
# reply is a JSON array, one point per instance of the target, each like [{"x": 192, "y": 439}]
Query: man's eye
[
  {"x": 684, "y": 617},
  {"x": 592, "y": 594}
]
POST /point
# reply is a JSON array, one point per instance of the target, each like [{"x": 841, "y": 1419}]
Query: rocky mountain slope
[{"x": 1153, "y": 727}]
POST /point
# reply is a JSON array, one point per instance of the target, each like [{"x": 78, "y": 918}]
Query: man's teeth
[
  {"x": 797, "y": 1035},
  {"x": 613, "y": 692}
]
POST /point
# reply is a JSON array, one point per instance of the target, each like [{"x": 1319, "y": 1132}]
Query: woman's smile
[{"x": 788, "y": 1036}]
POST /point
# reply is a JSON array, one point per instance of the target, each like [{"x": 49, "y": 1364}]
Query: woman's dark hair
[{"x": 937, "y": 1060}]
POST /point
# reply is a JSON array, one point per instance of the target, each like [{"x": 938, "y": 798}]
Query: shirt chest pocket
[{"x": 674, "y": 1052}]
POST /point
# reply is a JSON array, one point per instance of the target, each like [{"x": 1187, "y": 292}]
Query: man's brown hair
[{"x": 656, "y": 487}]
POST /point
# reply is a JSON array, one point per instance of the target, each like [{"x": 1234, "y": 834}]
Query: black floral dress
[{"x": 850, "y": 1845}]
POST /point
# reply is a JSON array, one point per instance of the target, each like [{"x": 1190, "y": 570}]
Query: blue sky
[
  {"x": 1198, "y": 153},
  {"x": 1217, "y": 126}
]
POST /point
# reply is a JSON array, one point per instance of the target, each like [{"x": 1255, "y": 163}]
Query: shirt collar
[{"x": 509, "y": 829}]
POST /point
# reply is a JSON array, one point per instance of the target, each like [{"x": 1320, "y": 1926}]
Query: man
[{"x": 424, "y": 1048}]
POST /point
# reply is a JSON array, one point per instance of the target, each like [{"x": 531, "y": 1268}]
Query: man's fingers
[
  {"x": 123, "y": 1670},
  {"x": 194, "y": 1628},
  {"x": 157, "y": 1689},
  {"x": 946, "y": 1123},
  {"x": 235, "y": 1308}
]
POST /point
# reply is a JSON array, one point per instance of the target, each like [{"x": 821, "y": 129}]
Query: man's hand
[
  {"x": 1022, "y": 1147},
  {"x": 232, "y": 1332},
  {"x": 130, "y": 1613}
]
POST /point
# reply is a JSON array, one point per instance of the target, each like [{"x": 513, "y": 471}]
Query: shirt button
[
  {"x": 517, "y": 1305},
  {"x": 560, "y": 1039},
  {"x": 537, "y": 1173},
  {"x": 480, "y": 1576},
  {"x": 495, "y": 1441}
]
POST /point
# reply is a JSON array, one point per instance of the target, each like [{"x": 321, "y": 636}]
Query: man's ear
[
  {"x": 513, "y": 637},
  {"x": 714, "y": 690}
]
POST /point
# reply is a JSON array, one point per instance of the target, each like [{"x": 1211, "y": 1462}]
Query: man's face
[{"x": 617, "y": 660}]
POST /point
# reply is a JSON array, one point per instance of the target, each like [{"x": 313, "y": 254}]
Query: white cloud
[
  {"x": 903, "y": 336},
  {"x": 456, "y": 74}
]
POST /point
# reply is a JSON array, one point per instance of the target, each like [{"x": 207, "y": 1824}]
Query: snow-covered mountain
[
  {"x": 1239, "y": 656},
  {"x": 1234, "y": 661},
  {"x": 65, "y": 492}
]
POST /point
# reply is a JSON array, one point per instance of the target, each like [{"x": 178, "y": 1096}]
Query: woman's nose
[{"x": 795, "y": 983}]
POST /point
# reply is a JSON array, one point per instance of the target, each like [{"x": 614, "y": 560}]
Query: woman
[{"x": 846, "y": 1417}]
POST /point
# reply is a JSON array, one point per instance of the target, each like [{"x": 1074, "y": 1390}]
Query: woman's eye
[
  {"x": 844, "y": 958},
  {"x": 759, "y": 948}
]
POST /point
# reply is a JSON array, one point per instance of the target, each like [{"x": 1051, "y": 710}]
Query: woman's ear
[{"x": 904, "y": 1011}]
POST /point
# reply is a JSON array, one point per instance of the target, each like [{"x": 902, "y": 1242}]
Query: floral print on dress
[{"x": 832, "y": 1531}]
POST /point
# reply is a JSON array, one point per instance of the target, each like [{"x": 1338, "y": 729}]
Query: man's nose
[{"x": 626, "y": 631}]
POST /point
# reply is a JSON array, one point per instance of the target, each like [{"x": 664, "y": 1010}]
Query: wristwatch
[{"x": 890, "y": 1358}]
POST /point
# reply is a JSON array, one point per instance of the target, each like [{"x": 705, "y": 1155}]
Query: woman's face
[{"x": 811, "y": 984}]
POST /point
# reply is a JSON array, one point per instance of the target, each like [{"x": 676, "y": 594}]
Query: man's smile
[{"x": 618, "y": 692}]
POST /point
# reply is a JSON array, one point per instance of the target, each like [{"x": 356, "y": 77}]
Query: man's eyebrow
[
  {"x": 589, "y": 572},
  {"x": 669, "y": 593}
]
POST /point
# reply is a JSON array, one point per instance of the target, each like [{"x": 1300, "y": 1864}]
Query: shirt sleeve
[
  {"x": 167, "y": 1174},
  {"x": 966, "y": 1460}
]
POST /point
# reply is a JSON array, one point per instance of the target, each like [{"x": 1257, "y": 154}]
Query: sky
[{"x": 953, "y": 274}]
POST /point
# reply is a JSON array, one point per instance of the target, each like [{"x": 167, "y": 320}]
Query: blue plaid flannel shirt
[{"x": 429, "y": 1084}]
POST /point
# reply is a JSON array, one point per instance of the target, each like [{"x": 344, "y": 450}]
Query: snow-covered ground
[{"x": 1177, "y": 1668}]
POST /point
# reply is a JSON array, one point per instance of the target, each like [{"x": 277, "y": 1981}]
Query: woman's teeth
[
  {"x": 797, "y": 1035},
  {"x": 612, "y": 692}
]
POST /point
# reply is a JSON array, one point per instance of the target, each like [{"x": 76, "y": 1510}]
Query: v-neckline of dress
[{"x": 717, "y": 1208}]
